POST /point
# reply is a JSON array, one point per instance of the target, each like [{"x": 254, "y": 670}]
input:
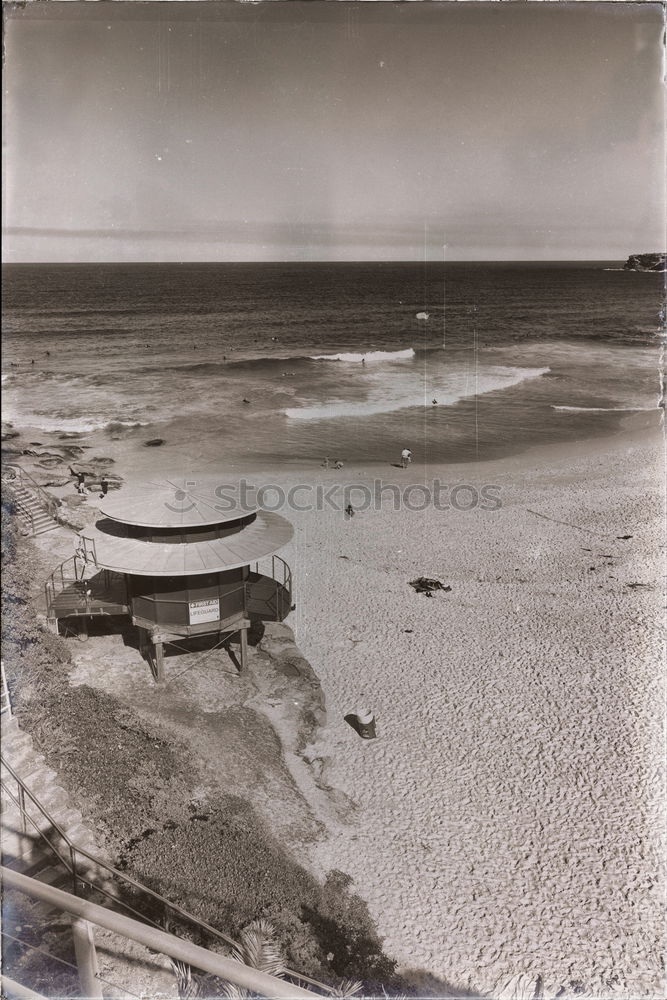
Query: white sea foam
[
  {"x": 368, "y": 356},
  {"x": 75, "y": 424},
  {"x": 387, "y": 396},
  {"x": 604, "y": 409}
]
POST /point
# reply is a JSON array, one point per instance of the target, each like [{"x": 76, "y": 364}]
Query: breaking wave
[
  {"x": 405, "y": 355},
  {"x": 432, "y": 394},
  {"x": 79, "y": 424},
  {"x": 604, "y": 409}
]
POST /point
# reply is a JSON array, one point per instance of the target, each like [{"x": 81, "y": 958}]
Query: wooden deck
[
  {"x": 107, "y": 596},
  {"x": 267, "y": 599}
]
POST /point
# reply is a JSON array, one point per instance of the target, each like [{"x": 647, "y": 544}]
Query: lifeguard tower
[{"x": 179, "y": 560}]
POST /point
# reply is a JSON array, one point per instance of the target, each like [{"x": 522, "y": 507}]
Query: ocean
[{"x": 458, "y": 362}]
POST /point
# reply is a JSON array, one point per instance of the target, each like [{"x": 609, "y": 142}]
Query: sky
[{"x": 332, "y": 131}]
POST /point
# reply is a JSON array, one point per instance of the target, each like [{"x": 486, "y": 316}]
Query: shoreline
[{"x": 634, "y": 426}]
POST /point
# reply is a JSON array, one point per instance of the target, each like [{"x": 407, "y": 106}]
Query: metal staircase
[{"x": 35, "y": 507}]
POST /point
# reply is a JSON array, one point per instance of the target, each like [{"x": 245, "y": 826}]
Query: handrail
[
  {"x": 170, "y": 600},
  {"x": 24, "y": 511},
  {"x": 86, "y": 550},
  {"x": 19, "y": 991},
  {"x": 50, "y": 502},
  {"x": 79, "y": 562},
  {"x": 157, "y": 940},
  {"x": 245, "y": 586},
  {"x": 5, "y": 700},
  {"x": 100, "y": 862},
  {"x": 78, "y": 568},
  {"x": 122, "y": 876}
]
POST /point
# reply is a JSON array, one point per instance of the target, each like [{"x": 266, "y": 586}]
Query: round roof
[
  {"x": 175, "y": 503},
  {"x": 115, "y": 550}
]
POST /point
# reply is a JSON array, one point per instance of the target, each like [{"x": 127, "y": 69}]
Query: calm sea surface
[{"x": 332, "y": 358}]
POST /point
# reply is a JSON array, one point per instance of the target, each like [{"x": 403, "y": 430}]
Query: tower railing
[
  {"x": 86, "y": 549},
  {"x": 275, "y": 599},
  {"x": 70, "y": 572},
  {"x": 281, "y": 593}
]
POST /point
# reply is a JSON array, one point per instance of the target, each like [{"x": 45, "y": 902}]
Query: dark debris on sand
[{"x": 428, "y": 586}]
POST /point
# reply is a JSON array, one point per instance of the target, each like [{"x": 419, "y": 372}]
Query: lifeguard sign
[{"x": 204, "y": 611}]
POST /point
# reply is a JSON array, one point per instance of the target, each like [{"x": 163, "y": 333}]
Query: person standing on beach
[
  {"x": 349, "y": 511},
  {"x": 406, "y": 458}
]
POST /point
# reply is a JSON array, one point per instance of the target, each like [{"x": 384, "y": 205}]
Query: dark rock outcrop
[{"x": 646, "y": 262}]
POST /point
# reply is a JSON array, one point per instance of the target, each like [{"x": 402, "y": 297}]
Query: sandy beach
[
  {"x": 509, "y": 816},
  {"x": 513, "y": 802}
]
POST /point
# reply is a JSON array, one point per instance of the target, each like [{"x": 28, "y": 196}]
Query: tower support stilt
[{"x": 244, "y": 648}]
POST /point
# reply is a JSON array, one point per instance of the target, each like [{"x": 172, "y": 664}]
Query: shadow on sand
[{"x": 107, "y": 625}]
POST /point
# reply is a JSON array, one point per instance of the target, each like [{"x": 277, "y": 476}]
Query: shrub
[
  {"x": 248, "y": 875},
  {"x": 30, "y": 652}
]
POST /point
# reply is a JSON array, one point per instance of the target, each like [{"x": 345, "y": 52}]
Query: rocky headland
[{"x": 646, "y": 262}]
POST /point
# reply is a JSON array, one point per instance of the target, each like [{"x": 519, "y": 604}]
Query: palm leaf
[
  {"x": 188, "y": 985},
  {"x": 348, "y": 988},
  {"x": 258, "y": 949}
]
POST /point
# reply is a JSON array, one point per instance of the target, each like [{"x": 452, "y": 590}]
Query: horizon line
[{"x": 368, "y": 260}]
